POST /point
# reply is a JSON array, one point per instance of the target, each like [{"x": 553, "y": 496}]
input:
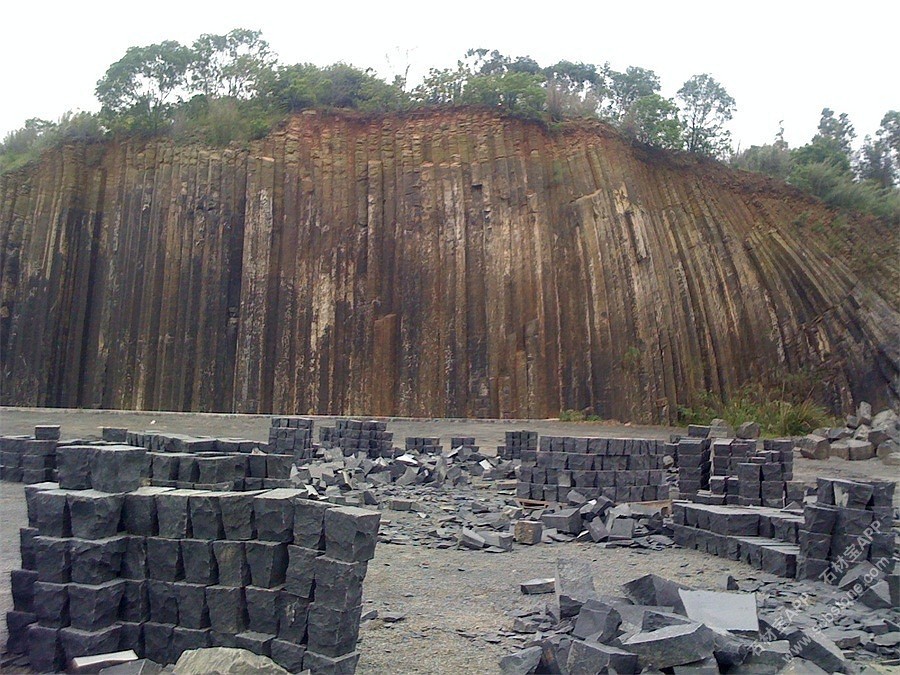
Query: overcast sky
[{"x": 782, "y": 60}]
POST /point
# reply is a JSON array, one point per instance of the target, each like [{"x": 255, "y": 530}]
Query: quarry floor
[{"x": 453, "y": 601}]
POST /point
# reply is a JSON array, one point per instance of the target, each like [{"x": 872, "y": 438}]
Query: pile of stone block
[
  {"x": 692, "y": 455},
  {"x": 764, "y": 478},
  {"x": 467, "y": 442},
  {"x": 516, "y": 443},
  {"x": 849, "y": 523},
  {"x": 621, "y": 470},
  {"x": 108, "y": 566},
  {"x": 863, "y": 437},
  {"x": 352, "y": 436},
  {"x": 292, "y": 435},
  {"x": 29, "y": 459},
  {"x": 727, "y": 453},
  {"x": 424, "y": 445},
  {"x": 765, "y": 538}
]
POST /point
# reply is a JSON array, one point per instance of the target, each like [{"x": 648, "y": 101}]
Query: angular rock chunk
[
  {"x": 672, "y": 646},
  {"x": 574, "y": 586},
  {"x": 590, "y": 658},
  {"x": 351, "y": 534}
]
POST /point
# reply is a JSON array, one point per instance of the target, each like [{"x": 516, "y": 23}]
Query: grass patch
[
  {"x": 578, "y": 416},
  {"x": 775, "y": 416}
]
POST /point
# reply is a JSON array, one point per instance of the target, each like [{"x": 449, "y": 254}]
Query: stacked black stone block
[
  {"x": 162, "y": 570},
  {"x": 424, "y": 445},
  {"x": 352, "y": 436},
  {"x": 467, "y": 442},
  {"x": 620, "y": 469},
  {"x": 762, "y": 478},
  {"x": 29, "y": 459},
  {"x": 292, "y": 436},
  {"x": 519, "y": 445},
  {"x": 765, "y": 538},
  {"x": 727, "y": 453},
  {"x": 850, "y": 523},
  {"x": 693, "y": 465}
]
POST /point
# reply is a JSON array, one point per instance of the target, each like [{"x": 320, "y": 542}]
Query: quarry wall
[{"x": 442, "y": 263}]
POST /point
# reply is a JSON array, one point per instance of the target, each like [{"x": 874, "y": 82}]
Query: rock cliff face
[{"x": 449, "y": 263}]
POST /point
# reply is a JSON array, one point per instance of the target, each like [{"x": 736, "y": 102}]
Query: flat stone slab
[
  {"x": 734, "y": 612},
  {"x": 671, "y": 646}
]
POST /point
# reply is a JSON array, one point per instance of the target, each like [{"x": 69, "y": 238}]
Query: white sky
[{"x": 779, "y": 60}]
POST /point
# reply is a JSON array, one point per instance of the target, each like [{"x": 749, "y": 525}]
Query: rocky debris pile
[
  {"x": 849, "y": 523},
  {"x": 618, "y": 469},
  {"x": 29, "y": 459},
  {"x": 863, "y": 437},
  {"x": 658, "y": 624},
  {"x": 108, "y": 566},
  {"x": 353, "y": 436}
]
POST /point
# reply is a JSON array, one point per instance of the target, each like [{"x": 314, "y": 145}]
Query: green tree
[
  {"x": 441, "y": 87},
  {"x": 707, "y": 108},
  {"x": 139, "y": 89},
  {"x": 654, "y": 120},
  {"x": 520, "y": 93},
  {"x": 231, "y": 64},
  {"x": 573, "y": 89},
  {"x": 624, "y": 88},
  {"x": 773, "y": 159},
  {"x": 837, "y": 129}
]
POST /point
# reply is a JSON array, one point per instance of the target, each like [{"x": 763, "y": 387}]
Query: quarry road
[{"x": 453, "y": 602}]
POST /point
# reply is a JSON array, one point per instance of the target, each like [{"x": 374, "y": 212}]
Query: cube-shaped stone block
[
  {"x": 52, "y": 560},
  {"x": 227, "y": 609},
  {"x": 118, "y": 468},
  {"x": 73, "y": 463},
  {"x": 77, "y": 642},
  {"x": 338, "y": 583},
  {"x": 231, "y": 563},
  {"x": 262, "y": 609},
  {"x": 96, "y": 561},
  {"x": 332, "y": 632},
  {"x": 48, "y": 512},
  {"x": 95, "y": 515},
  {"x": 199, "y": 562},
  {"x": 268, "y": 562},
  {"x": 164, "y": 559},
  {"x": 192, "y": 608},
  {"x": 94, "y": 607},
  {"x": 351, "y": 533}
]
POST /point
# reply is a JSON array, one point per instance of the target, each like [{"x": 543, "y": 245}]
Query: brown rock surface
[{"x": 442, "y": 263}]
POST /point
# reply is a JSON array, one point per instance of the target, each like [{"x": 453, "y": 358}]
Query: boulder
[{"x": 225, "y": 661}]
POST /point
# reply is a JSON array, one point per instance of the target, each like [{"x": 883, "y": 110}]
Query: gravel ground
[{"x": 452, "y": 600}]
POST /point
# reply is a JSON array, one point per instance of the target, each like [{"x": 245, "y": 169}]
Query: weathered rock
[
  {"x": 589, "y": 658},
  {"x": 574, "y": 586},
  {"x": 672, "y": 646},
  {"x": 651, "y": 589},
  {"x": 522, "y": 662},
  {"x": 225, "y": 661},
  {"x": 538, "y": 586},
  {"x": 597, "y": 621},
  {"x": 528, "y": 532}
]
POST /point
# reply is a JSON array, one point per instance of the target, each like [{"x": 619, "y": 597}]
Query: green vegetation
[
  {"x": 578, "y": 416},
  {"x": 775, "y": 415},
  {"x": 827, "y": 167},
  {"x": 230, "y": 88}
]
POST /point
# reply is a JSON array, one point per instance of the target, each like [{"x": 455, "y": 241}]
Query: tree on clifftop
[
  {"x": 139, "y": 88},
  {"x": 707, "y": 108},
  {"x": 230, "y": 64}
]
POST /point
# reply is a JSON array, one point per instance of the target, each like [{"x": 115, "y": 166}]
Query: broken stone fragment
[
  {"x": 589, "y": 658},
  {"x": 538, "y": 586},
  {"x": 226, "y": 661},
  {"x": 651, "y": 589},
  {"x": 671, "y": 646},
  {"x": 528, "y": 532},
  {"x": 574, "y": 586},
  {"x": 522, "y": 662},
  {"x": 597, "y": 621}
]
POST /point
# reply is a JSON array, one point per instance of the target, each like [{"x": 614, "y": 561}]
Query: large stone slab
[
  {"x": 671, "y": 646},
  {"x": 574, "y": 586},
  {"x": 735, "y": 612},
  {"x": 226, "y": 661}
]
